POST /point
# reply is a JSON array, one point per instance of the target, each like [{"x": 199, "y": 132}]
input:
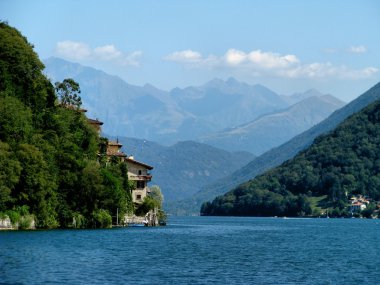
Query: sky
[{"x": 287, "y": 45}]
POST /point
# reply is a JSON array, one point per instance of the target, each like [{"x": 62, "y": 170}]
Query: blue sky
[{"x": 286, "y": 45}]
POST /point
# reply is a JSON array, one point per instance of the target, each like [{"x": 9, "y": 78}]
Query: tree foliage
[
  {"x": 68, "y": 93},
  {"x": 339, "y": 164},
  {"x": 48, "y": 152}
]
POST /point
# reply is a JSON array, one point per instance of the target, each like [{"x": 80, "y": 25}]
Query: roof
[
  {"x": 76, "y": 108},
  {"x": 133, "y": 161},
  {"x": 121, "y": 154},
  {"x": 95, "y": 122}
]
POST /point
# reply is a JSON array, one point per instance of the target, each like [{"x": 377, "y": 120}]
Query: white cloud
[
  {"x": 184, "y": 56},
  {"x": 259, "y": 59},
  {"x": 266, "y": 63},
  {"x": 357, "y": 49},
  {"x": 272, "y": 60},
  {"x": 73, "y": 50},
  {"x": 326, "y": 70},
  {"x": 235, "y": 57},
  {"x": 107, "y": 52},
  {"x": 81, "y": 51}
]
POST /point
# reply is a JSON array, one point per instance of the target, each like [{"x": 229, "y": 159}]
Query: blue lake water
[{"x": 198, "y": 250}]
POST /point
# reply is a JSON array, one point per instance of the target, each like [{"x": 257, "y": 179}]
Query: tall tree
[{"x": 68, "y": 93}]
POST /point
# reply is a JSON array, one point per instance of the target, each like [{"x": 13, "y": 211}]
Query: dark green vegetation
[
  {"x": 49, "y": 164},
  {"x": 342, "y": 163}
]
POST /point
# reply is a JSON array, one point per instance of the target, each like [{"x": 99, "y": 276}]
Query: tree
[
  {"x": 37, "y": 186},
  {"x": 10, "y": 170},
  {"x": 15, "y": 121},
  {"x": 68, "y": 93},
  {"x": 156, "y": 194},
  {"x": 21, "y": 71}
]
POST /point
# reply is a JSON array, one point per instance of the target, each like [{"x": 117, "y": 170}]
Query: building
[
  {"x": 139, "y": 172},
  {"x": 358, "y": 203},
  {"x": 114, "y": 150},
  {"x": 357, "y": 207},
  {"x": 96, "y": 124}
]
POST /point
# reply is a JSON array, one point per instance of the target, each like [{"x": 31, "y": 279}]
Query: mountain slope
[
  {"x": 167, "y": 117},
  {"x": 275, "y": 156},
  {"x": 274, "y": 129},
  {"x": 228, "y": 103},
  {"x": 345, "y": 161},
  {"x": 181, "y": 169}
]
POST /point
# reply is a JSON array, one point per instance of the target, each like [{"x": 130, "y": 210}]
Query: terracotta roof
[{"x": 138, "y": 163}]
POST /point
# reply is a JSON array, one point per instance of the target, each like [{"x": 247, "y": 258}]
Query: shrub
[
  {"x": 25, "y": 222},
  {"x": 14, "y": 216},
  {"x": 102, "y": 219},
  {"x": 79, "y": 221}
]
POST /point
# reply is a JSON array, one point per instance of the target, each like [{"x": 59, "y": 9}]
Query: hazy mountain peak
[
  {"x": 214, "y": 83},
  {"x": 232, "y": 80}
]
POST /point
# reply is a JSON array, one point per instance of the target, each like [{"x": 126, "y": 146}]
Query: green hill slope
[
  {"x": 48, "y": 153},
  {"x": 343, "y": 162}
]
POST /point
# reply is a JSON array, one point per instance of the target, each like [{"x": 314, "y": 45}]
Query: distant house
[
  {"x": 358, "y": 203},
  {"x": 139, "y": 172},
  {"x": 114, "y": 150},
  {"x": 96, "y": 124},
  {"x": 357, "y": 207}
]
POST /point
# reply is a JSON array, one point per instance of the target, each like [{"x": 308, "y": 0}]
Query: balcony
[{"x": 147, "y": 177}]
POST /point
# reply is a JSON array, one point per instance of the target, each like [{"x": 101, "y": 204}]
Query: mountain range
[
  {"x": 216, "y": 113},
  {"x": 273, "y": 157}
]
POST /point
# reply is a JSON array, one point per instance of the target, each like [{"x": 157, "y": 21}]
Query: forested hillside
[
  {"x": 342, "y": 163},
  {"x": 48, "y": 153}
]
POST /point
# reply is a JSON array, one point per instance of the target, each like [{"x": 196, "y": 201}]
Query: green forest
[
  {"x": 337, "y": 165},
  {"x": 50, "y": 167}
]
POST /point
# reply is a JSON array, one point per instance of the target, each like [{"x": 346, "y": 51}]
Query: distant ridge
[
  {"x": 274, "y": 129},
  {"x": 181, "y": 169},
  {"x": 275, "y": 156}
]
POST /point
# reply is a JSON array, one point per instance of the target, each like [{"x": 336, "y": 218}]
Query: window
[
  {"x": 140, "y": 184},
  {"x": 138, "y": 197},
  {"x": 140, "y": 172}
]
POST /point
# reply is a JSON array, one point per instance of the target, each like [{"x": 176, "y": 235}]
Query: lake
[{"x": 198, "y": 250}]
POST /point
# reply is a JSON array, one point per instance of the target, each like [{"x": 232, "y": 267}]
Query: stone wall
[
  {"x": 5, "y": 224},
  {"x": 150, "y": 219}
]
